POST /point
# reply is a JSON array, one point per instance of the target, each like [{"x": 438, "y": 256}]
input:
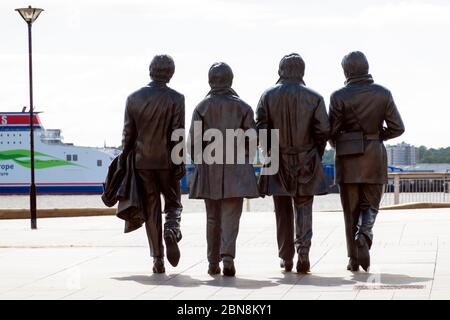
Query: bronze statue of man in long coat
[
  {"x": 299, "y": 115},
  {"x": 152, "y": 114},
  {"x": 365, "y": 107},
  {"x": 219, "y": 178}
]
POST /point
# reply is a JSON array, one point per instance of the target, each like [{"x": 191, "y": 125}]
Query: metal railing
[{"x": 406, "y": 187}]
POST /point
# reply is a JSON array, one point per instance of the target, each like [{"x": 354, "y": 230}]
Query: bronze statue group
[{"x": 361, "y": 116}]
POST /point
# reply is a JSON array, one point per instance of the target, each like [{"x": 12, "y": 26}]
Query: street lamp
[{"x": 30, "y": 15}]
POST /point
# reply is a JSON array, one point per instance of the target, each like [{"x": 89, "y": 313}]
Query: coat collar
[
  {"x": 159, "y": 84},
  {"x": 365, "y": 79},
  {"x": 286, "y": 81},
  {"x": 227, "y": 91}
]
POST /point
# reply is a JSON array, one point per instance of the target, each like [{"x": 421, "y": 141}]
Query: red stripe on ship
[{"x": 7, "y": 119}]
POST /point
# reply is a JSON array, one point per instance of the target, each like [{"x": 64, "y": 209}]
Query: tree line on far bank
[{"x": 424, "y": 155}]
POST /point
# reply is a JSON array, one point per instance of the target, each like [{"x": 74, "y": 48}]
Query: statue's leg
[
  {"x": 285, "y": 227},
  {"x": 152, "y": 206},
  {"x": 370, "y": 201},
  {"x": 303, "y": 224},
  {"x": 154, "y": 236},
  {"x": 171, "y": 191},
  {"x": 370, "y": 204},
  {"x": 213, "y": 229},
  {"x": 350, "y": 200},
  {"x": 153, "y": 227},
  {"x": 231, "y": 215},
  {"x": 303, "y": 231}
]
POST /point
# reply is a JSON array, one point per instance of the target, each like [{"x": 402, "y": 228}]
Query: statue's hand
[{"x": 179, "y": 171}]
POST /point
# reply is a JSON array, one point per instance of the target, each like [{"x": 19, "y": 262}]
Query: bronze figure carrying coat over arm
[
  {"x": 299, "y": 115},
  {"x": 222, "y": 184},
  {"x": 362, "y": 106},
  {"x": 152, "y": 113}
]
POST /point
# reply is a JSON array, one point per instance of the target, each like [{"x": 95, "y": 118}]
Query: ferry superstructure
[{"x": 60, "y": 168}]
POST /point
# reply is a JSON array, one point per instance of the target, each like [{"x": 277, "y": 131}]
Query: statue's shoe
[
  {"x": 172, "y": 249},
  {"x": 363, "y": 253},
  {"x": 352, "y": 265},
  {"x": 214, "y": 269},
  {"x": 228, "y": 268},
  {"x": 303, "y": 264},
  {"x": 158, "y": 265},
  {"x": 287, "y": 265}
]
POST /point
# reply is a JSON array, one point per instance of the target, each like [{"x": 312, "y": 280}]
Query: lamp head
[{"x": 29, "y": 14}]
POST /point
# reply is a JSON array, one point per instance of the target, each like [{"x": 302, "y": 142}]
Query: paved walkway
[{"x": 90, "y": 258}]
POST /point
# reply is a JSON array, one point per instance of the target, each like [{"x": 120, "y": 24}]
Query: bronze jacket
[
  {"x": 152, "y": 113},
  {"x": 121, "y": 186},
  {"x": 222, "y": 109},
  {"x": 373, "y": 105},
  {"x": 300, "y": 115}
]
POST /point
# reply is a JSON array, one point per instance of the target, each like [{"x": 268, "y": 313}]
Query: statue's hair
[
  {"x": 162, "y": 68},
  {"x": 220, "y": 75},
  {"x": 292, "y": 66},
  {"x": 355, "y": 64}
]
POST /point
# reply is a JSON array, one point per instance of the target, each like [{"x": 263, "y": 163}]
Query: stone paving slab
[{"x": 91, "y": 258}]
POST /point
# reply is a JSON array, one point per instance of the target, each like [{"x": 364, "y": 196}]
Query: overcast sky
[{"x": 90, "y": 54}]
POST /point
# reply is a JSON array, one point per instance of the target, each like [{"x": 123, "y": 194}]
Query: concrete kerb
[{"x": 56, "y": 213}]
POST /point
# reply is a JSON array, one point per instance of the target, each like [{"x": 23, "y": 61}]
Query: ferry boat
[{"x": 60, "y": 168}]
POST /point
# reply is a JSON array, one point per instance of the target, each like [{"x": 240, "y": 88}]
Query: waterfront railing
[{"x": 425, "y": 187}]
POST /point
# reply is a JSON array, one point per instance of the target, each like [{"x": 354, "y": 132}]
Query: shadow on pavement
[
  {"x": 237, "y": 282},
  {"x": 359, "y": 279},
  {"x": 388, "y": 279},
  {"x": 175, "y": 280},
  {"x": 362, "y": 280},
  {"x": 184, "y": 281},
  {"x": 312, "y": 280}
]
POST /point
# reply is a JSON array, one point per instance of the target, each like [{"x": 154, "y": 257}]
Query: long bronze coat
[
  {"x": 151, "y": 115},
  {"x": 300, "y": 115},
  {"x": 222, "y": 109},
  {"x": 373, "y": 105}
]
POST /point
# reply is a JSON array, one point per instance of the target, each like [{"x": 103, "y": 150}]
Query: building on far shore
[{"x": 402, "y": 154}]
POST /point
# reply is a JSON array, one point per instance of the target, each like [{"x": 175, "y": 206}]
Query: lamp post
[{"x": 30, "y": 15}]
